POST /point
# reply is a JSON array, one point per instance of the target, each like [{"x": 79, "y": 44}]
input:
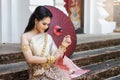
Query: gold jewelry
[
  {"x": 63, "y": 45},
  {"x": 50, "y": 60},
  {"x": 25, "y": 48},
  {"x": 62, "y": 48},
  {"x": 44, "y": 46}
]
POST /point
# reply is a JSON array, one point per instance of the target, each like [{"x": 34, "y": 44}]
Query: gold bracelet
[
  {"x": 62, "y": 48},
  {"x": 63, "y": 45},
  {"x": 50, "y": 59}
]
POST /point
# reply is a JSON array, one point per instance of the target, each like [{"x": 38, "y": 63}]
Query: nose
[{"x": 46, "y": 26}]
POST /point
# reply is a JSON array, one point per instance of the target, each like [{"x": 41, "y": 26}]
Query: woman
[
  {"x": 40, "y": 50},
  {"x": 40, "y": 54}
]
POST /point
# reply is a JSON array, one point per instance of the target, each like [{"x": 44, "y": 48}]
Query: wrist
[
  {"x": 50, "y": 59},
  {"x": 63, "y": 45},
  {"x": 62, "y": 49}
]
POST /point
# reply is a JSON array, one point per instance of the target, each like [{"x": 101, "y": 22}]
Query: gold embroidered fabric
[
  {"x": 39, "y": 71},
  {"x": 44, "y": 46}
]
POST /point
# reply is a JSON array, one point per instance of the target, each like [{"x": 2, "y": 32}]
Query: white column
[
  {"x": 14, "y": 21},
  {"x": 8, "y": 21},
  {"x": 5, "y": 20},
  {"x": 89, "y": 15},
  {"x": 60, "y": 5},
  {"x": 0, "y": 24}
]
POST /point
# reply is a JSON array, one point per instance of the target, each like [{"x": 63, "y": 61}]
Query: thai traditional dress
[{"x": 43, "y": 45}]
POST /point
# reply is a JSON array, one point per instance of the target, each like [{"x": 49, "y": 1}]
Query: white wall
[
  {"x": 87, "y": 9},
  {"x": 60, "y": 5},
  {"x": 23, "y": 16},
  {"x": 91, "y": 25},
  {"x": 14, "y": 18},
  {"x": 20, "y": 16},
  {"x": 35, "y": 3},
  {"x": 0, "y": 22}
]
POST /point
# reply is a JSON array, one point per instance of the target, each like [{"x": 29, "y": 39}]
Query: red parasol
[{"x": 61, "y": 26}]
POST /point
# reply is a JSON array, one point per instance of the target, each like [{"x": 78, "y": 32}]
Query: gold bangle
[
  {"x": 63, "y": 45},
  {"x": 25, "y": 48},
  {"x": 62, "y": 48},
  {"x": 50, "y": 59}
]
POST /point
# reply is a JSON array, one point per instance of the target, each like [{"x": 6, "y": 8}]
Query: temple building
[
  {"x": 96, "y": 41},
  {"x": 88, "y": 16}
]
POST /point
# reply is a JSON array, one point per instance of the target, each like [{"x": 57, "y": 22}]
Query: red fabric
[{"x": 66, "y": 65}]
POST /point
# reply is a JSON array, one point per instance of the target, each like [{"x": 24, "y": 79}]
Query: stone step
[
  {"x": 103, "y": 59},
  {"x": 89, "y": 42},
  {"x": 14, "y": 71},
  {"x": 95, "y": 56},
  {"x": 101, "y": 71},
  {"x": 10, "y": 53},
  {"x": 11, "y": 57},
  {"x": 114, "y": 78},
  {"x": 83, "y": 57}
]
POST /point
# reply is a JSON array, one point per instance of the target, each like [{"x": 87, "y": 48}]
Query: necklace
[{"x": 44, "y": 46}]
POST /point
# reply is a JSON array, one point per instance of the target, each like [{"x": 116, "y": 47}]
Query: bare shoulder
[{"x": 25, "y": 38}]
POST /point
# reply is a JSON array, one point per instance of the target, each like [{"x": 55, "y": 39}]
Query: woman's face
[{"x": 43, "y": 24}]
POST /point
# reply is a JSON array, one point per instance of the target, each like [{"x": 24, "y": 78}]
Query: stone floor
[{"x": 85, "y": 38}]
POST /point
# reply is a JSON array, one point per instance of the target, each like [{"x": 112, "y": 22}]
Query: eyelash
[{"x": 45, "y": 24}]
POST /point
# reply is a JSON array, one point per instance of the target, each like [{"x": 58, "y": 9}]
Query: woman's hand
[{"x": 66, "y": 40}]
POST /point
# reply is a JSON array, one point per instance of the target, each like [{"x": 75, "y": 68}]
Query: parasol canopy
[{"x": 61, "y": 26}]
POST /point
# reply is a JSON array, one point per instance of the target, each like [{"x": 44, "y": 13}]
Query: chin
[{"x": 42, "y": 31}]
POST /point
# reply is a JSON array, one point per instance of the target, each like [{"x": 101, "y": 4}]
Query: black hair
[{"x": 39, "y": 13}]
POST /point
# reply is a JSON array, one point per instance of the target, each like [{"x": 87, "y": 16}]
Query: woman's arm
[
  {"x": 62, "y": 48},
  {"x": 28, "y": 53}
]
